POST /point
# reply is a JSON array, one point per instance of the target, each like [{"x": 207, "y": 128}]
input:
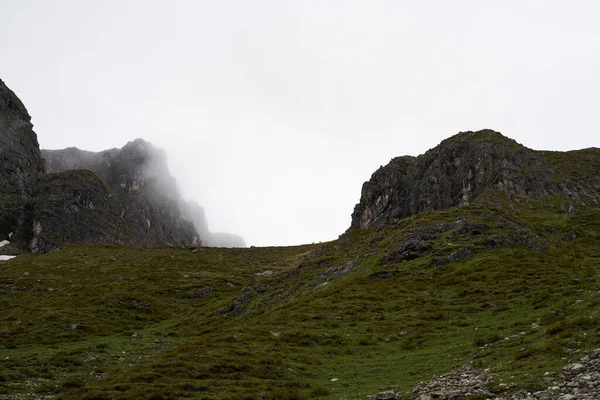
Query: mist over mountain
[
  {"x": 473, "y": 263},
  {"x": 51, "y": 198},
  {"x": 121, "y": 195},
  {"x": 212, "y": 239},
  {"x": 141, "y": 170}
]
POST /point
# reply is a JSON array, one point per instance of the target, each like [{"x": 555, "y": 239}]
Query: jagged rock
[
  {"x": 140, "y": 192},
  {"x": 135, "y": 201},
  {"x": 74, "y": 206},
  {"x": 461, "y": 168},
  {"x": 149, "y": 199},
  {"x": 21, "y": 166}
]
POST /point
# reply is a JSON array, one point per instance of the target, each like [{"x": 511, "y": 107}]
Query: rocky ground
[{"x": 578, "y": 381}]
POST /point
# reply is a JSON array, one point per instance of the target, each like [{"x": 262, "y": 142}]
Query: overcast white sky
[{"x": 273, "y": 113}]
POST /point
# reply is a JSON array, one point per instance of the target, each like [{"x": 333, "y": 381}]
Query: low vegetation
[{"x": 509, "y": 285}]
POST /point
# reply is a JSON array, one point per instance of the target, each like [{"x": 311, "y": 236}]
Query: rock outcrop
[
  {"x": 133, "y": 197},
  {"x": 75, "y": 206},
  {"x": 21, "y": 166},
  {"x": 461, "y": 168},
  {"x": 147, "y": 194},
  {"x": 121, "y": 196}
]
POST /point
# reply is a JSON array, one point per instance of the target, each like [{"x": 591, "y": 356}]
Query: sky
[{"x": 274, "y": 112}]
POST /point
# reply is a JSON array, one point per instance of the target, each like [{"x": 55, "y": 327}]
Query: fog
[
  {"x": 273, "y": 113},
  {"x": 140, "y": 169}
]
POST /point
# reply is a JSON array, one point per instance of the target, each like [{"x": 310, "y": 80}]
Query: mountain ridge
[
  {"x": 460, "y": 168},
  {"x": 136, "y": 165},
  {"x": 127, "y": 195},
  {"x": 472, "y": 272}
]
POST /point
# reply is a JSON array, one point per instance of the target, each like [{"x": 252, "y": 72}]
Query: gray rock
[
  {"x": 387, "y": 395},
  {"x": 575, "y": 368},
  {"x": 21, "y": 166},
  {"x": 457, "y": 172},
  {"x": 567, "y": 397},
  {"x": 124, "y": 196},
  {"x": 144, "y": 194}
]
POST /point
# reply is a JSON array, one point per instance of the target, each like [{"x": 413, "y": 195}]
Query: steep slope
[
  {"x": 508, "y": 289},
  {"x": 496, "y": 297},
  {"x": 462, "y": 167},
  {"x": 75, "y": 206},
  {"x": 128, "y": 193},
  {"x": 478, "y": 277},
  {"x": 21, "y": 166},
  {"x": 134, "y": 202},
  {"x": 146, "y": 192}
]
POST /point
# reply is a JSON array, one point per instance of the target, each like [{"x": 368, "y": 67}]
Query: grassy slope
[{"x": 333, "y": 320}]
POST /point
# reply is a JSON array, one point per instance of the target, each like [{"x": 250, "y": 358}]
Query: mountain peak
[
  {"x": 479, "y": 136},
  {"x": 458, "y": 170}
]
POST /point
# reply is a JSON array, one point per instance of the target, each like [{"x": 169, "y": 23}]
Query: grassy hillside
[{"x": 512, "y": 285}]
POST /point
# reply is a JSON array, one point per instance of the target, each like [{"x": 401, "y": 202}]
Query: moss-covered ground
[{"x": 337, "y": 320}]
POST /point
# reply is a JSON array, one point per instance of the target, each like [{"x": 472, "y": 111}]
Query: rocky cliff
[
  {"x": 121, "y": 196},
  {"x": 21, "y": 166},
  {"x": 145, "y": 194},
  {"x": 132, "y": 184},
  {"x": 75, "y": 206},
  {"x": 461, "y": 168}
]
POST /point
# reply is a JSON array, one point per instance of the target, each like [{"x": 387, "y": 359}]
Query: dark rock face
[
  {"x": 21, "y": 166},
  {"x": 146, "y": 194},
  {"x": 458, "y": 170},
  {"x": 140, "y": 201},
  {"x": 75, "y": 206},
  {"x": 117, "y": 196}
]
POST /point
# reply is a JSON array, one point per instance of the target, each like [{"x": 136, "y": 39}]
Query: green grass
[{"x": 333, "y": 320}]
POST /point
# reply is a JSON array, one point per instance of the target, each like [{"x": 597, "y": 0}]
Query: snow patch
[
  {"x": 6, "y": 258},
  {"x": 4, "y": 243}
]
